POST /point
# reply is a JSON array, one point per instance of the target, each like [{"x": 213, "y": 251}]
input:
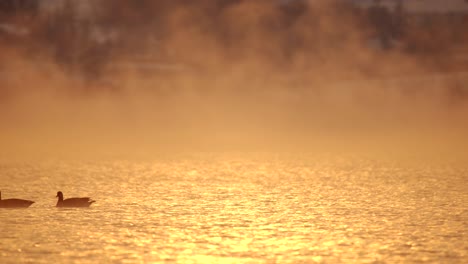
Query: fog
[{"x": 244, "y": 76}]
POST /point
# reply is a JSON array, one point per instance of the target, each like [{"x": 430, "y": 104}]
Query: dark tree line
[
  {"x": 12, "y": 7},
  {"x": 270, "y": 30}
]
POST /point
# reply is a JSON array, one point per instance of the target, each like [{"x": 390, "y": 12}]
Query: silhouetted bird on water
[
  {"x": 73, "y": 202},
  {"x": 14, "y": 203}
]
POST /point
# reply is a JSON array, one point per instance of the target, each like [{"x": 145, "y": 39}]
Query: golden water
[{"x": 215, "y": 209}]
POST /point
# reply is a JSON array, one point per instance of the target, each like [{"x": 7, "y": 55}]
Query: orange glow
[{"x": 251, "y": 80}]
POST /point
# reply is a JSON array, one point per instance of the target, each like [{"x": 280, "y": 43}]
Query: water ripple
[{"x": 234, "y": 211}]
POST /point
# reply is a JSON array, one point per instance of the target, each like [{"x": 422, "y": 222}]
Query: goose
[
  {"x": 14, "y": 203},
  {"x": 73, "y": 202}
]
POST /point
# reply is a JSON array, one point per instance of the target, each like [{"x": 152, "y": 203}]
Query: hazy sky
[{"x": 424, "y": 5}]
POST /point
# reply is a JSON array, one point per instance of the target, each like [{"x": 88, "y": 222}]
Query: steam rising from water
[{"x": 244, "y": 77}]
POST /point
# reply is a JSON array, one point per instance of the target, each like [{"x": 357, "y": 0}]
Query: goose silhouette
[
  {"x": 73, "y": 202},
  {"x": 14, "y": 203}
]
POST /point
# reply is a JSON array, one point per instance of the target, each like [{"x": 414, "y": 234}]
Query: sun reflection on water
[{"x": 230, "y": 212}]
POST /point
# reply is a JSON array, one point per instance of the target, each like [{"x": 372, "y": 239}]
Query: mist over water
[
  {"x": 231, "y": 132},
  {"x": 230, "y": 76}
]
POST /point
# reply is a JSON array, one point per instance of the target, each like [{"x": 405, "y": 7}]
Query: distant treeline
[
  {"x": 14, "y": 6},
  {"x": 278, "y": 31}
]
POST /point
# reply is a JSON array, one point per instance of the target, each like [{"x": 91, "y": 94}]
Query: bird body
[
  {"x": 73, "y": 202},
  {"x": 14, "y": 203}
]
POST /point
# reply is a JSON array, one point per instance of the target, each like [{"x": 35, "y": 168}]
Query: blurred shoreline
[{"x": 234, "y": 75}]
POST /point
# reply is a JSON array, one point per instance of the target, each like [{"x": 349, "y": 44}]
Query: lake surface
[{"x": 216, "y": 209}]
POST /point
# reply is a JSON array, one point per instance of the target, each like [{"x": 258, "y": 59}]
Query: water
[{"x": 215, "y": 209}]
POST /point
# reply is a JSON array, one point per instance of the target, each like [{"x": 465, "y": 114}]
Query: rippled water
[{"x": 233, "y": 210}]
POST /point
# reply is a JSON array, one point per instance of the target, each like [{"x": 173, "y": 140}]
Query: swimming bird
[
  {"x": 73, "y": 202},
  {"x": 14, "y": 203}
]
